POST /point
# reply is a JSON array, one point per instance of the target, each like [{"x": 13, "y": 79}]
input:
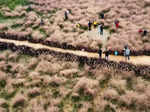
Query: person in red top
[
  {"x": 140, "y": 31},
  {"x": 117, "y": 23}
]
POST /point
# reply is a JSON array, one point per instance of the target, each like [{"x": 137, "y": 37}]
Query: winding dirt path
[{"x": 142, "y": 60}]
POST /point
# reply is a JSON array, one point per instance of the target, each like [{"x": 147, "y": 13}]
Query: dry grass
[
  {"x": 54, "y": 28},
  {"x": 44, "y": 87}
]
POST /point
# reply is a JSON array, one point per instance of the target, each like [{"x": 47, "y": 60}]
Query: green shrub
[
  {"x": 61, "y": 106},
  {"x": 4, "y": 94},
  {"x": 112, "y": 31},
  {"x": 75, "y": 98},
  {"x": 90, "y": 110},
  {"x": 83, "y": 27},
  {"x": 56, "y": 93},
  {"x": 13, "y": 3},
  {"x": 108, "y": 108},
  {"x": 76, "y": 107},
  {"x": 61, "y": 26},
  {"x": 85, "y": 96},
  {"x": 16, "y": 26},
  {"x": 2, "y": 83}
]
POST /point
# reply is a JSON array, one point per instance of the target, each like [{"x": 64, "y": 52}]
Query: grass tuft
[{"x": 13, "y": 3}]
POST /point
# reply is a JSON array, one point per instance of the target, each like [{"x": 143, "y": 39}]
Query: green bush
[
  {"x": 16, "y": 26},
  {"x": 13, "y": 3},
  {"x": 2, "y": 83},
  {"x": 4, "y": 94}
]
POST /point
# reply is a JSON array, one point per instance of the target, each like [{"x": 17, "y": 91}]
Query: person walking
[
  {"x": 95, "y": 24},
  {"x": 100, "y": 53},
  {"x": 100, "y": 29},
  {"x": 127, "y": 54},
  {"x": 66, "y": 15},
  {"x": 144, "y": 32},
  {"x": 106, "y": 54},
  {"x": 140, "y": 31},
  {"x": 117, "y": 23},
  {"x": 116, "y": 53},
  {"x": 89, "y": 25},
  {"x": 102, "y": 15}
]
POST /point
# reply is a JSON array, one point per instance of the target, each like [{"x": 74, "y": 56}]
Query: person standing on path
[
  {"x": 89, "y": 25},
  {"x": 100, "y": 53},
  {"x": 116, "y": 53},
  {"x": 106, "y": 54},
  {"x": 127, "y": 53}
]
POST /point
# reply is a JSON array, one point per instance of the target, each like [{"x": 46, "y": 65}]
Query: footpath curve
[{"x": 138, "y": 60}]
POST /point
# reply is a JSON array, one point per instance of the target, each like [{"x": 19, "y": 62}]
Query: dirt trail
[{"x": 142, "y": 60}]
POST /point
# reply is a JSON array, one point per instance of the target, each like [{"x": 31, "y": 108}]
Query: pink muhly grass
[
  {"x": 33, "y": 92},
  {"x": 129, "y": 98},
  {"x": 111, "y": 94},
  {"x": 69, "y": 72},
  {"x": 89, "y": 85},
  {"x": 18, "y": 100}
]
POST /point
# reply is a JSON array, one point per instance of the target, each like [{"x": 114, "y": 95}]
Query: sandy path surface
[{"x": 142, "y": 60}]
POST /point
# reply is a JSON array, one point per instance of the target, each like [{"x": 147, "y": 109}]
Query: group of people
[
  {"x": 106, "y": 52},
  {"x": 94, "y": 24},
  {"x": 100, "y": 25},
  {"x": 126, "y": 53},
  {"x": 143, "y": 32}
]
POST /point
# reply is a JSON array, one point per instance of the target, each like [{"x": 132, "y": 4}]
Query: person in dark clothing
[
  {"x": 100, "y": 53},
  {"x": 89, "y": 25},
  {"x": 106, "y": 54},
  {"x": 66, "y": 15},
  {"x": 42, "y": 22},
  {"x": 100, "y": 29},
  {"x": 144, "y": 32},
  {"x": 102, "y": 15}
]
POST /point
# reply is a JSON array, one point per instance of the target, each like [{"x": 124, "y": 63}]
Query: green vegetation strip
[{"x": 13, "y": 3}]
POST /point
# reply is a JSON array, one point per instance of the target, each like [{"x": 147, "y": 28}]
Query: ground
[{"x": 35, "y": 77}]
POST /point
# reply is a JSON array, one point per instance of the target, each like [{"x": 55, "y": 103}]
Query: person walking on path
[
  {"x": 89, "y": 25},
  {"x": 106, "y": 54},
  {"x": 127, "y": 53},
  {"x": 117, "y": 23},
  {"x": 100, "y": 29},
  {"x": 100, "y": 53},
  {"x": 116, "y": 53}
]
